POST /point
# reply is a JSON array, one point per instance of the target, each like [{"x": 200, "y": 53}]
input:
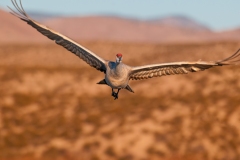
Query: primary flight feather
[{"x": 118, "y": 74}]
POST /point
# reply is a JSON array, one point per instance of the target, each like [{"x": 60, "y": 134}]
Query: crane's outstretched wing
[
  {"x": 85, "y": 54},
  {"x": 157, "y": 70}
]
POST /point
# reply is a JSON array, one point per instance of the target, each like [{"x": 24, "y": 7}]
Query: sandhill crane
[{"x": 118, "y": 74}]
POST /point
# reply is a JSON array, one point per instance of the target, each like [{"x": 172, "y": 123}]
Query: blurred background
[{"x": 52, "y": 108}]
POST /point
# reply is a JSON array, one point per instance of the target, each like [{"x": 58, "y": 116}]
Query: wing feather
[
  {"x": 158, "y": 70},
  {"x": 83, "y": 53}
]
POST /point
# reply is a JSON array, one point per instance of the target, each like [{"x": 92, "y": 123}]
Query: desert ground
[{"x": 52, "y": 108}]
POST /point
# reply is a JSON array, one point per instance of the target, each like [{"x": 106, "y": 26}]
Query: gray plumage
[{"x": 118, "y": 74}]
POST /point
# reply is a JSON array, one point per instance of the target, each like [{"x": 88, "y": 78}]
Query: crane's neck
[
  {"x": 118, "y": 60},
  {"x": 118, "y": 63},
  {"x": 118, "y": 66},
  {"x": 118, "y": 69}
]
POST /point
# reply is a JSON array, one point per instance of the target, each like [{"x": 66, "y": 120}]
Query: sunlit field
[{"x": 52, "y": 108}]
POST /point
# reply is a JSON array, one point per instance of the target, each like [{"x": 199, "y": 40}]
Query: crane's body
[{"x": 118, "y": 74}]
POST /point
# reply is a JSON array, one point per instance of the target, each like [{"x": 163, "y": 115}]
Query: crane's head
[{"x": 118, "y": 58}]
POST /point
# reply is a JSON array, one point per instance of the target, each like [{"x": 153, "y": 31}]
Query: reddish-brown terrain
[{"x": 52, "y": 108}]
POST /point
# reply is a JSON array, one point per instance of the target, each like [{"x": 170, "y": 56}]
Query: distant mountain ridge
[
  {"x": 172, "y": 29},
  {"x": 175, "y": 20},
  {"x": 180, "y": 21}
]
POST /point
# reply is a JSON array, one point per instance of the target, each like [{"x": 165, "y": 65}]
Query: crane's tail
[{"x": 233, "y": 59}]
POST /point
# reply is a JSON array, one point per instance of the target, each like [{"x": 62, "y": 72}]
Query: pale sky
[{"x": 216, "y": 14}]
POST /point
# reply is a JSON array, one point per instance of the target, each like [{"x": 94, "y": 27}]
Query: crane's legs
[{"x": 114, "y": 94}]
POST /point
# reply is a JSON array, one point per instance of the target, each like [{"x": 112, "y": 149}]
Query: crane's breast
[{"x": 117, "y": 76}]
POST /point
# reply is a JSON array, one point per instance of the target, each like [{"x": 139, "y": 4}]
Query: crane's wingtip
[
  {"x": 18, "y": 11},
  {"x": 233, "y": 59}
]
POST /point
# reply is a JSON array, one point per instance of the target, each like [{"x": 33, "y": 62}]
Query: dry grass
[{"x": 52, "y": 109}]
